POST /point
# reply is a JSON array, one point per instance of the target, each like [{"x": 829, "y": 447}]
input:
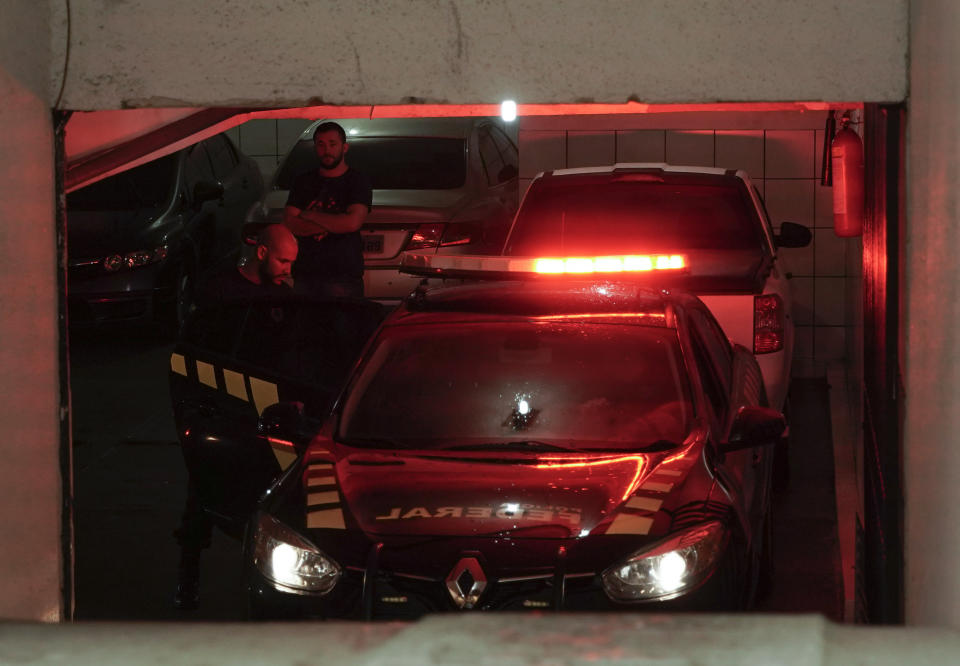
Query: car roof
[
  {"x": 378, "y": 127},
  {"x": 647, "y": 167},
  {"x": 549, "y": 297}
]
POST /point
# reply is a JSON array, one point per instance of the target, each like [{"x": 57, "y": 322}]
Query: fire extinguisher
[{"x": 846, "y": 161}]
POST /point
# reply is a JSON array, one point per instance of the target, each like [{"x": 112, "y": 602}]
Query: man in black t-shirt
[{"x": 324, "y": 210}]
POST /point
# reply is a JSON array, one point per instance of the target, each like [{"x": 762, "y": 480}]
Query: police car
[
  {"x": 714, "y": 216},
  {"x": 535, "y": 440}
]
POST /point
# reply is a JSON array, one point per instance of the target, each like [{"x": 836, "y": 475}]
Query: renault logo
[{"x": 466, "y": 582}]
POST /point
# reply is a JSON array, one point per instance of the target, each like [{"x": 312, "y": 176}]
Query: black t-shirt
[
  {"x": 229, "y": 286},
  {"x": 334, "y": 255}
]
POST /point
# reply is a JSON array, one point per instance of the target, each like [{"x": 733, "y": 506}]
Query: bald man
[
  {"x": 276, "y": 251},
  {"x": 264, "y": 273}
]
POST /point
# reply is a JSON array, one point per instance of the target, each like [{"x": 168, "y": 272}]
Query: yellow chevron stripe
[
  {"x": 264, "y": 393},
  {"x": 178, "y": 364},
  {"x": 627, "y": 523},
  {"x": 329, "y": 518},
  {"x": 206, "y": 374},
  {"x": 284, "y": 457},
  {"x": 668, "y": 472},
  {"x": 319, "y": 466},
  {"x": 645, "y": 503},
  {"x": 235, "y": 385},
  {"x": 326, "y": 497},
  {"x": 657, "y": 487}
]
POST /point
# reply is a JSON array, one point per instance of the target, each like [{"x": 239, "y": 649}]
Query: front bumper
[
  {"x": 393, "y": 596},
  {"x": 126, "y": 296}
]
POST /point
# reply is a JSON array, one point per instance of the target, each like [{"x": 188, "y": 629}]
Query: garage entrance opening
[{"x": 129, "y": 477}]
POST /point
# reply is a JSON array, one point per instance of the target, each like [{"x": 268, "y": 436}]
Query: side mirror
[
  {"x": 207, "y": 191},
  {"x": 283, "y": 420},
  {"x": 754, "y": 426},
  {"x": 793, "y": 235}
]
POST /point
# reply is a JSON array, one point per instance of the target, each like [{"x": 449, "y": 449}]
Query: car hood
[
  {"x": 465, "y": 494},
  {"x": 95, "y": 234}
]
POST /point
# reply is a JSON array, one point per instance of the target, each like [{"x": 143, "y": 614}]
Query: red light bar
[
  {"x": 478, "y": 266},
  {"x": 616, "y": 264}
]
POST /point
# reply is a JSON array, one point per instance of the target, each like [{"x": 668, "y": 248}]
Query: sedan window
[
  {"x": 585, "y": 386},
  {"x": 223, "y": 157},
  {"x": 490, "y": 155},
  {"x": 391, "y": 163}
]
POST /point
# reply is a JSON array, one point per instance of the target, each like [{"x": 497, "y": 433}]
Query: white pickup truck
[{"x": 713, "y": 216}]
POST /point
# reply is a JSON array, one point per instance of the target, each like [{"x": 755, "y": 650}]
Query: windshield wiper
[{"x": 513, "y": 445}]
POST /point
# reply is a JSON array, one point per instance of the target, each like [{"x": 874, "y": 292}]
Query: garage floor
[
  {"x": 130, "y": 485},
  {"x": 806, "y": 549}
]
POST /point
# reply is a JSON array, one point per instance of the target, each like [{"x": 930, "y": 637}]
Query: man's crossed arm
[{"x": 317, "y": 223}]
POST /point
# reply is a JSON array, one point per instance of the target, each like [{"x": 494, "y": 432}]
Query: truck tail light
[
  {"x": 460, "y": 233},
  {"x": 426, "y": 236},
  {"x": 767, "y": 324}
]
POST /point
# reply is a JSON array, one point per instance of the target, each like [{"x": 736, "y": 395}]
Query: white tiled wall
[
  {"x": 781, "y": 151},
  {"x": 268, "y": 140}
]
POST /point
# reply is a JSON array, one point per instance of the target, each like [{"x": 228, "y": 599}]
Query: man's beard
[
  {"x": 266, "y": 278},
  {"x": 334, "y": 164}
]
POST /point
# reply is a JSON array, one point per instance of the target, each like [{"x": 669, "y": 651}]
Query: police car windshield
[
  {"x": 391, "y": 163},
  {"x": 634, "y": 213},
  {"x": 576, "y": 385}
]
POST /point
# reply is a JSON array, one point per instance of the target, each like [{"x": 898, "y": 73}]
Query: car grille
[{"x": 399, "y": 597}]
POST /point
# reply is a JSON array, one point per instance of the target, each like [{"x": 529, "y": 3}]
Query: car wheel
[
  {"x": 767, "y": 561},
  {"x": 733, "y": 583},
  {"x": 174, "y": 310}
]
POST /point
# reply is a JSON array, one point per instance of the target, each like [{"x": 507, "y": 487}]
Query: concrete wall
[
  {"x": 932, "y": 428},
  {"x": 29, "y": 368},
  {"x": 222, "y": 52}
]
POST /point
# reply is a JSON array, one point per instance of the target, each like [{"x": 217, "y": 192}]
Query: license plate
[{"x": 373, "y": 244}]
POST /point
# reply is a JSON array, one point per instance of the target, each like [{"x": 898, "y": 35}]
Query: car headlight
[
  {"x": 669, "y": 568},
  {"x": 290, "y": 561},
  {"x": 134, "y": 259}
]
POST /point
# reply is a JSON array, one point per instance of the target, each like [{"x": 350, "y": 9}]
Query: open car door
[{"x": 234, "y": 360}]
